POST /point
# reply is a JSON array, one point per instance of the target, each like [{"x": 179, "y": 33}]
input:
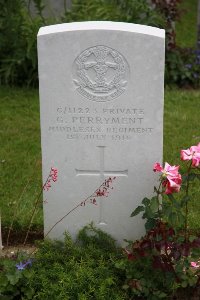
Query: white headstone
[{"x": 101, "y": 97}]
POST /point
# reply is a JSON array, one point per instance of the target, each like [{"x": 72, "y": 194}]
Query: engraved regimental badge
[{"x": 100, "y": 73}]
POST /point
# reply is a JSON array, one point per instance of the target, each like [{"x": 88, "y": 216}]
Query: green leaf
[
  {"x": 138, "y": 210},
  {"x": 3, "y": 280},
  {"x": 149, "y": 213},
  {"x": 146, "y": 201},
  {"x": 192, "y": 238},
  {"x": 172, "y": 218},
  {"x": 180, "y": 239},
  {"x": 191, "y": 176},
  {"x": 13, "y": 279},
  {"x": 162, "y": 295},
  {"x": 184, "y": 178},
  {"x": 150, "y": 223},
  {"x": 177, "y": 204},
  {"x": 125, "y": 287},
  {"x": 154, "y": 204},
  {"x": 166, "y": 211},
  {"x": 180, "y": 218},
  {"x": 184, "y": 284},
  {"x": 120, "y": 265},
  {"x": 196, "y": 253},
  {"x": 27, "y": 273},
  {"x": 183, "y": 187},
  {"x": 3, "y": 297},
  {"x": 185, "y": 199},
  {"x": 198, "y": 176},
  {"x": 192, "y": 281},
  {"x": 171, "y": 197},
  {"x": 29, "y": 292},
  {"x": 179, "y": 268}
]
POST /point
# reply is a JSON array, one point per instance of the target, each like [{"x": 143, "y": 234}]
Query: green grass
[
  {"x": 186, "y": 27},
  {"x": 20, "y": 153},
  {"x": 181, "y": 121},
  {"x": 181, "y": 130}
]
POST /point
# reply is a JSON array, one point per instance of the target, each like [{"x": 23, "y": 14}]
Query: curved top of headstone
[{"x": 102, "y": 25}]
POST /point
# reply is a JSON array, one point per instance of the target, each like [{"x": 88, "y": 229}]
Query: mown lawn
[
  {"x": 20, "y": 156},
  {"x": 20, "y": 153},
  {"x": 182, "y": 129}
]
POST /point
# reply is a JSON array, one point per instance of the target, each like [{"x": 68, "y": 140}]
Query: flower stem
[
  {"x": 93, "y": 195},
  {"x": 80, "y": 204},
  {"x": 158, "y": 200},
  {"x": 34, "y": 209},
  {"x": 186, "y": 204},
  {"x": 171, "y": 265}
]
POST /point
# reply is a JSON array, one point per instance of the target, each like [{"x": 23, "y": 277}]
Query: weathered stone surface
[{"x": 101, "y": 94}]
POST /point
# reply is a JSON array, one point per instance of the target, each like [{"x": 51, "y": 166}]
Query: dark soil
[
  {"x": 188, "y": 294},
  {"x": 17, "y": 237}
]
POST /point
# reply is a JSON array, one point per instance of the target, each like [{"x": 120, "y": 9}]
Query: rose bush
[{"x": 166, "y": 259}]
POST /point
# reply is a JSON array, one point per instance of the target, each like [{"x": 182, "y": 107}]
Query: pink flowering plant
[
  {"x": 102, "y": 191},
  {"x": 18, "y": 268},
  {"x": 167, "y": 251}
]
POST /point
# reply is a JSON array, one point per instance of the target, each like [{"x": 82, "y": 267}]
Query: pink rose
[
  {"x": 171, "y": 179},
  {"x": 192, "y": 153},
  {"x": 194, "y": 264}
]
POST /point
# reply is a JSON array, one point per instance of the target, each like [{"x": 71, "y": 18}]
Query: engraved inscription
[
  {"x": 100, "y": 124},
  {"x": 100, "y": 73}
]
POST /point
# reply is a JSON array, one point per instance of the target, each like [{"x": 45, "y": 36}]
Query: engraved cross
[{"x": 102, "y": 173}]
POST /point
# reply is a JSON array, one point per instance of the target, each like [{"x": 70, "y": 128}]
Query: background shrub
[
  {"x": 131, "y": 11},
  {"x": 183, "y": 67},
  {"x": 18, "y": 32},
  {"x": 18, "y": 56}
]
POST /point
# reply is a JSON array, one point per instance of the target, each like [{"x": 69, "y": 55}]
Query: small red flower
[{"x": 53, "y": 176}]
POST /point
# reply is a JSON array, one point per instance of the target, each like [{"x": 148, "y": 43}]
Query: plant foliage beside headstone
[
  {"x": 166, "y": 259},
  {"x": 84, "y": 269}
]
